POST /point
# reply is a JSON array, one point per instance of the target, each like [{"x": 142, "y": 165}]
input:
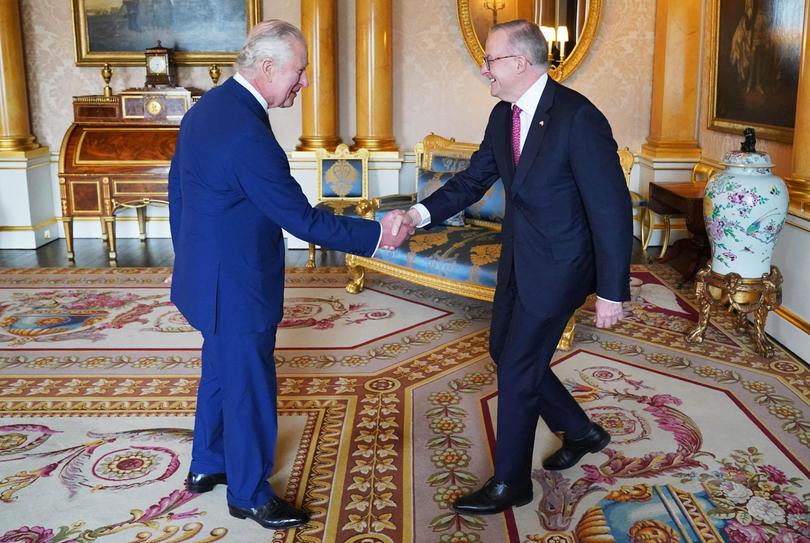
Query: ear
[
  {"x": 268, "y": 68},
  {"x": 523, "y": 64}
]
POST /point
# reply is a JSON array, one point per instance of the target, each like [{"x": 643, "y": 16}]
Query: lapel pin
[{"x": 542, "y": 123}]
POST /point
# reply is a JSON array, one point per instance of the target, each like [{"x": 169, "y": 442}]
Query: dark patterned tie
[{"x": 516, "y": 133}]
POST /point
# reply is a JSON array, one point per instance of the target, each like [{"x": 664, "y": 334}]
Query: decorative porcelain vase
[{"x": 744, "y": 207}]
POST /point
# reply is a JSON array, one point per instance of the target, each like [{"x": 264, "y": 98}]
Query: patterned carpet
[{"x": 387, "y": 404}]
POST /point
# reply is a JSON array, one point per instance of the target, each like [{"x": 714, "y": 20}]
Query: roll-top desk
[{"x": 116, "y": 155}]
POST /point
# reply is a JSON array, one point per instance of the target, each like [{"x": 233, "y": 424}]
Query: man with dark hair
[{"x": 567, "y": 232}]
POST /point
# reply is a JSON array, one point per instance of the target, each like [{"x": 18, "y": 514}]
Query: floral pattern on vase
[{"x": 744, "y": 208}]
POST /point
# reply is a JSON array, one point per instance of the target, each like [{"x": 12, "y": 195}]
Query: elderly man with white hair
[{"x": 230, "y": 196}]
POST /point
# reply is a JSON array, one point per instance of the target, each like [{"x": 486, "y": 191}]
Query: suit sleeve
[
  {"x": 175, "y": 197},
  {"x": 606, "y": 199},
  {"x": 467, "y": 187},
  {"x": 263, "y": 174}
]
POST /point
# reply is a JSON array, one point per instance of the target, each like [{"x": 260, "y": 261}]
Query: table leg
[
  {"x": 109, "y": 226},
  {"x": 141, "y": 211},
  {"x": 67, "y": 224}
]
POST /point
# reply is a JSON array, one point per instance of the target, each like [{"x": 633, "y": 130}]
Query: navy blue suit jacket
[
  {"x": 567, "y": 229},
  {"x": 230, "y": 194}
]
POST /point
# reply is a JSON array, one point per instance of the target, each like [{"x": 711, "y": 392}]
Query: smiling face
[
  {"x": 502, "y": 73},
  {"x": 279, "y": 84}
]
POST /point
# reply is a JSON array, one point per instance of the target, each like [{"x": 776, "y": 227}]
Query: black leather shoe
[
  {"x": 573, "y": 450},
  {"x": 494, "y": 497},
  {"x": 276, "y": 514},
  {"x": 198, "y": 483}
]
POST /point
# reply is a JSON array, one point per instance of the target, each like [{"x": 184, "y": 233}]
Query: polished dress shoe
[
  {"x": 276, "y": 514},
  {"x": 572, "y": 450},
  {"x": 197, "y": 483},
  {"x": 494, "y": 497}
]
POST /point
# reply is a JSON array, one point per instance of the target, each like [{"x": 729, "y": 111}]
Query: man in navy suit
[
  {"x": 567, "y": 232},
  {"x": 230, "y": 194}
]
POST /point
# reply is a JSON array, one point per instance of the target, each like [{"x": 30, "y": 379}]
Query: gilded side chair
[
  {"x": 342, "y": 184},
  {"x": 701, "y": 172},
  {"x": 627, "y": 159}
]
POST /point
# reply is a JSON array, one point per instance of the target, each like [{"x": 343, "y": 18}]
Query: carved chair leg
[
  {"x": 358, "y": 281},
  {"x": 311, "y": 258},
  {"x": 646, "y": 228},
  {"x": 665, "y": 241},
  {"x": 567, "y": 338}
]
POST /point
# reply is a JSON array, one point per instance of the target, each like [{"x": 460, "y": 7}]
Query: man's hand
[
  {"x": 397, "y": 225},
  {"x": 607, "y": 313}
]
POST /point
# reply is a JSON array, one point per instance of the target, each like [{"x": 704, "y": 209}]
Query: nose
[
  {"x": 484, "y": 71},
  {"x": 304, "y": 80}
]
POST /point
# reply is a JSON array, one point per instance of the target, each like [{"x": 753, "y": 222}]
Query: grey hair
[
  {"x": 526, "y": 39},
  {"x": 268, "y": 39}
]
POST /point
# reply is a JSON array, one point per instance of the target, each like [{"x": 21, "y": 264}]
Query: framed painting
[
  {"x": 755, "y": 57},
  {"x": 200, "y": 31}
]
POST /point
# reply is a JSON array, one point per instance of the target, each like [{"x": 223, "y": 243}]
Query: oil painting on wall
[
  {"x": 200, "y": 31},
  {"x": 755, "y": 58}
]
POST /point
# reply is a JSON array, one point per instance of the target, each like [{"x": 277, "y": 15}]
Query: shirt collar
[
  {"x": 531, "y": 98},
  {"x": 239, "y": 78}
]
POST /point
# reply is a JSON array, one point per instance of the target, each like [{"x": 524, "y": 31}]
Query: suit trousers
[
  {"x": 236, "y": 424},
  {"x": 522, "y": 345}
]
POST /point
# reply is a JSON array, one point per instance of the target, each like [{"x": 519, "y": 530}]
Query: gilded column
[
  {"x": 320, "y": 100},
  {"x": 15, "y": 127},
  {"x": 799, "y": 181},
  {"x": 374, "y": 87},
  {"x": 676, "y": 81}
]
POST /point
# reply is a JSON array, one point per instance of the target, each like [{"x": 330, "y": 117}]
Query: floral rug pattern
[{"x": 379, "y": 433}]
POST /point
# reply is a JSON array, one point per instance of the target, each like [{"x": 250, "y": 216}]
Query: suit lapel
[
  {"x": 537, "y": 132},
  {"x": 503, "y": 150}
]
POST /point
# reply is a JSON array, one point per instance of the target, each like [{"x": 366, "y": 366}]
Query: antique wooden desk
[
  {"x": 686, "y": 255},
  {"x": 116, "y": 155}
]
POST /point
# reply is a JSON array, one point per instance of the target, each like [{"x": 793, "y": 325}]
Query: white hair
[{"x": 269, "y": 39}]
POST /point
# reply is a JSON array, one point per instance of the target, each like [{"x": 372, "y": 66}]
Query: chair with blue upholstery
[
  {"x": 342, "y": 184},
  {"x": 461, "y": 255}
]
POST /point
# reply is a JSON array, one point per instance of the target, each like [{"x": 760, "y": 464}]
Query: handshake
[{"x": 397, "y": 226}]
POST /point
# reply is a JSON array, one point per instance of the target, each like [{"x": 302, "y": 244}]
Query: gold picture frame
[
  {"x": 131, "y": 27},
  {"x": 744, "y": 88},
  {"x": 559, "y": 72}
]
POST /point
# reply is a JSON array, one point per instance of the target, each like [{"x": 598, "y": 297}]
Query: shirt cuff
[
  {"x": 606, "y": 300},
  {"x": 379, "y": 240},
  {"x": 423, "y": 213}
]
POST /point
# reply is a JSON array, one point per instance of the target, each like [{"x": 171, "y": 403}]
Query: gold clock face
[
  {"x": 154, "y": 107},
  {"x": 157, "y": 64}
]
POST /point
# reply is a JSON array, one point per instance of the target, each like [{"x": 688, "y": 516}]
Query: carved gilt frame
[
  {"x": 558, "y": 73},
  {"x": 734, "y": 126},
  {"x": 85, "y": 57}
]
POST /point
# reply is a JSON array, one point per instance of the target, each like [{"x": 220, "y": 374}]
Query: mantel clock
[{"x": 159, "y": 67}]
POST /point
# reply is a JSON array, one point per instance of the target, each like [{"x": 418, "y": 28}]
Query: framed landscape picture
[
  {"x": 755, "y": 57},
  {"x": 200, "y": 31}
]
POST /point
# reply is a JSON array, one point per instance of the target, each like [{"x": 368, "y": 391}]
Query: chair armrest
[{"x": 369, "y": 208}]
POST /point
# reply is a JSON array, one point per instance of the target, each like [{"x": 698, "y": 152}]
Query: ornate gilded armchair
[
  {"x": 342, "y": 183},
  {"x": 626, "y": 160}
]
